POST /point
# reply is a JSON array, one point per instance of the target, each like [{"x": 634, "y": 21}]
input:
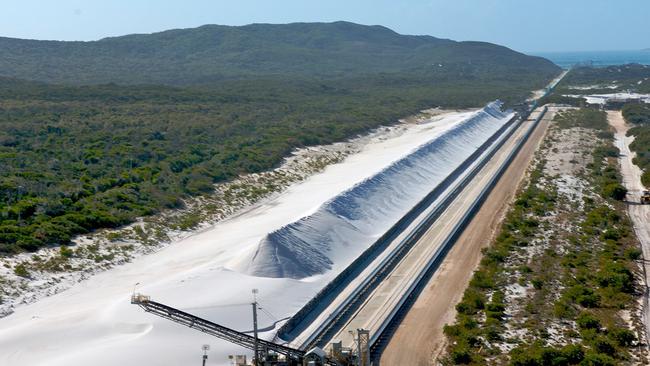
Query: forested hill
[
  {"x": 210, "y": 104},
  {"x": 214, "y": 52},
  {"x": 78, "y": 158}
]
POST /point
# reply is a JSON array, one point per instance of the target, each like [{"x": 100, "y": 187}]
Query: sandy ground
[
  {"x": 419, "y": 340},
  {"x": 94, "y": 323},
  {"x": 640, "y": 214}
]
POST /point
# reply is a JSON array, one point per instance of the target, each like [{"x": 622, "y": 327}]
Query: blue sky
[{"x": 525, "y": 25}]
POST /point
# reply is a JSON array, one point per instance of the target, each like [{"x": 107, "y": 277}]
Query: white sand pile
[{"x": 350, "y": 222}]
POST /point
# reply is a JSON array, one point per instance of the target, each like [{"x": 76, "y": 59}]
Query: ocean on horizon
[{"x": 597, "y": 58}]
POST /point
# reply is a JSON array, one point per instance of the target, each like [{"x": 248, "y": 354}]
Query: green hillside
[
  {"x": 235, "y": 100},
  {"x": 214, "y": 52}
]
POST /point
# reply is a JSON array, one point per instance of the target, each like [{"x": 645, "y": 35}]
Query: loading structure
[{"x": 260, "y": 347}]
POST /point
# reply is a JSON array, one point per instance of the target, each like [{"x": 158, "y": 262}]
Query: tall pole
[
  {"x": 256, "y": 346},
  {"x": 206, "y": 348}
]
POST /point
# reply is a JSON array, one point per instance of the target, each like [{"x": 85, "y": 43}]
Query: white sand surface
[{"x": 94, "y": 322}]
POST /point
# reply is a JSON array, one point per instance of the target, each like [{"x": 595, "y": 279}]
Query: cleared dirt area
[
  {"x": 419, "y": 339},
  {"x": 640, "y": 214}
]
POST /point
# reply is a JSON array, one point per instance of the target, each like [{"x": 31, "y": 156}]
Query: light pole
[
  {"x": 256, "y": 346},
  {"x": 205, "y": 348}
]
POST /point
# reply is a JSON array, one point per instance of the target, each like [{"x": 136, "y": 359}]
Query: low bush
[{"x": 21, "y": 270}]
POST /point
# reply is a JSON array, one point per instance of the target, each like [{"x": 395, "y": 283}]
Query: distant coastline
[{"x": 597, "y": 58}]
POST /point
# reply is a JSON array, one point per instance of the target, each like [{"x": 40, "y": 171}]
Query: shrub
[
  {"x": 492, "y": 329},
  {"x": 451, "y": 330},
  {"x": 21, "y": 270},
  {"x": 461, "y": 355},
  {"x": 472, "y": 302},
  {"x": 622, "y": 337},
  {"x": 633, "y": 253},
  {"x": 604, "y": 345},
  {"x": 597, "y": 359},
  {"x": 615, "y": 191},
  {"x": 617, "y": 277},
  {"x": 495, "y": 307},
  {"x": 573, "y": 353},
  {"x": 65, "y": 252},
  {"x": 535, "y": 355},
  {"x": 587, "y": 321},
  {"x": 563, "y": 310},
  {"x": 584, "y": 296}
]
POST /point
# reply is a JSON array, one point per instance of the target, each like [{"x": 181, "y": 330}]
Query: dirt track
[
  {"x": 419, "y": 339},
  {"x": 640, "y": 214}
]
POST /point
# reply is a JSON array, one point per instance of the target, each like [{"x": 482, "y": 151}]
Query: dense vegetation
[
  {"x": 632, "y": 77},
  {"x": 639, "y": 116},
  {"x": 584, "y": 277},
  {"x": 212, "y": 53},
  {"x": 77, "y": 158}
]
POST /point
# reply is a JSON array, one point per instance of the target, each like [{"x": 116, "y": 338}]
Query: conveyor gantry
[{"x": 211, "y": 328}]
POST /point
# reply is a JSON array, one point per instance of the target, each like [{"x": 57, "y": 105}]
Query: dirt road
[
  {"x": 640, "y": 214},
  {"x": 419, "y": 339}
]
